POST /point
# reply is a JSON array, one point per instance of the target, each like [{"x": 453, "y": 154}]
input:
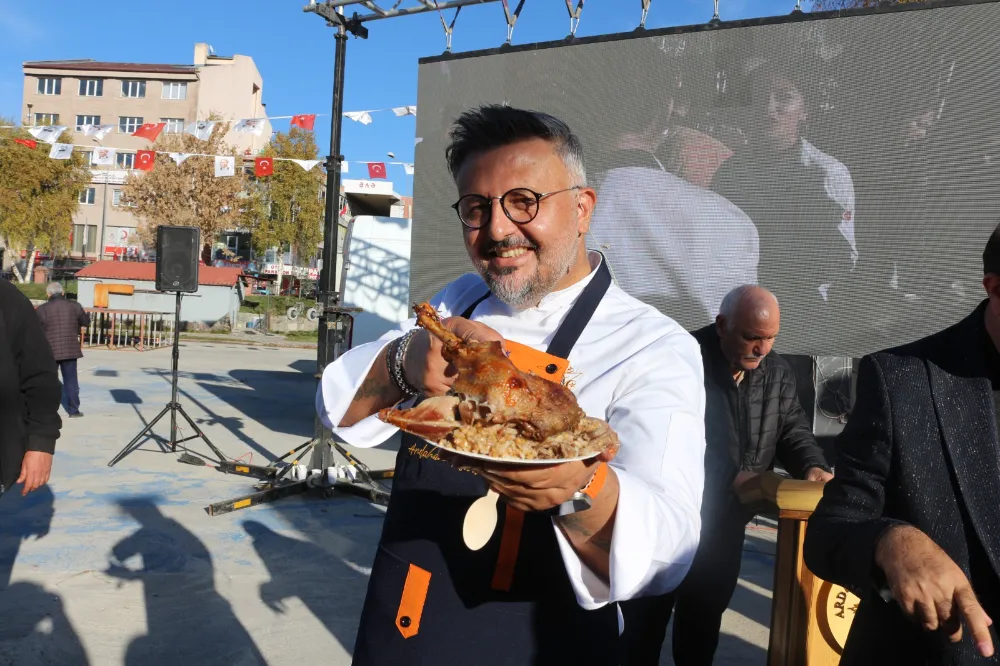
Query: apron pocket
[{"x": 412, "y": 600}]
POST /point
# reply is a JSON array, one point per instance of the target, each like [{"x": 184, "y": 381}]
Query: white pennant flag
[
  {"x": 179, "y": 158},
  {"x": 103, "y": 157},
  {"x": 253, "y": 126},
  {"x": 343, "y": 167},
  {"x": 405, "y": 110},
  {"x": 224, "y": 166},
  {"x": 408, "y": 168},
  {"x": 96, "y": 131},
  {"x": 362, "y": 117},
  {"x": 48, "y": 134},
  {"x": 201, "y": 129},
  {"x": 61, "y": 151},
  {"x": 307, "y": 164}
]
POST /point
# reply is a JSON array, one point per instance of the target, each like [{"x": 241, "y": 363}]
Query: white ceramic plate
[{"x": 512, "y": 461}]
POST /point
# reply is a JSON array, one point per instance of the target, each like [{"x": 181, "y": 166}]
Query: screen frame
[{"x": 796, "y": 16}]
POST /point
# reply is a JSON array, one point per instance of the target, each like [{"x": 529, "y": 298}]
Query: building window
[
  {"x": 174, "y": 125},
  {"x": 49, "y": 86},
  {"x": 125, "y": 160},
  {"x": 91, "y": 87},
  {"x": 87, "y": 195},
  {"x": 175, "y": 90},
  {"x": 84, "y": 239},
  {"x": 88, "y": 157},
  {"x": 86, "y": 120},
  {"x": 116, "y": 197},
  {"x": 42, "y": 119},
  {"x": 129, "y": 124},
  {"x": 133, "y": 88}
]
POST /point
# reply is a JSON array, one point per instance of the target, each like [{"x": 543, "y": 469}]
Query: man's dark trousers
[
  {"x": 71, "y": 387},
  {"x": 700, "y": 601}
]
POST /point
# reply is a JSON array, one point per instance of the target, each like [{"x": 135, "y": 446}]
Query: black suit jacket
[
  {"x": 29, "y": 385},
  {"x": 920, "y": 448}
]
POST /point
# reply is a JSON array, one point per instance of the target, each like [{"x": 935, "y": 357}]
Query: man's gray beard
[{"x": 532, "y": 290}]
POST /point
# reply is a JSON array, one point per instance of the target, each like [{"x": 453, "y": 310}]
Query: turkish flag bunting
[
  {"x": 263, "y": 166},
  {"x": 305, "y": 121},
  {"x": 145, "y": 160},
  {"x": 30, "y": 143},
  {"x": 149, "y": 131},
  {"x": 376, "y": 170}
]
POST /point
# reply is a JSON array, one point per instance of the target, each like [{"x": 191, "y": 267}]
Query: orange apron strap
[
  {"x": 411, "y": 605},
  {"x": 553, "y": 368},
  {"x": 510, "y": 543}
]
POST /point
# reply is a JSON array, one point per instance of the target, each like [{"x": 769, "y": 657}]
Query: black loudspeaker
[{"x": 177, "y": 253}]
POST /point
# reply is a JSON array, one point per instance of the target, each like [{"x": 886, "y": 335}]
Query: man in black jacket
[
  {"x": 752, "y": 415},
  {"x": 29, "y": 395},
  {"x": 911, "y": 524},
  {"x": 62, "y": 320}
]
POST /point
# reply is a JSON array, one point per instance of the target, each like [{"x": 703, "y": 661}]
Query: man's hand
[
  {"x": 425, "y": 367},
  {"x": 930, "y": 588},
  {"x": 35, "y": 470},
  {"x": 817, "y": 474},
  {"x": 538, "y": 488},
  {"x": 741, "y": 478}
]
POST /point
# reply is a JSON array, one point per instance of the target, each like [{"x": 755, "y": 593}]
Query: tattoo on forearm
[
  {"x": 574, "y": 523},
  {"x": 372, "y": 388}
]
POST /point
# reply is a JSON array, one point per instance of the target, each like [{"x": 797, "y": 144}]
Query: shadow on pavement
[
  {"x": 34, "y": 629},
  {"x": 188, "y": 621},
  {"x": 317, "y": 577}
]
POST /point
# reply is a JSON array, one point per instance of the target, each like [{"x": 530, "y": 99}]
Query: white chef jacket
[
  {"x": 670, "y": 242},
  {"x": 634, "y": 368}
]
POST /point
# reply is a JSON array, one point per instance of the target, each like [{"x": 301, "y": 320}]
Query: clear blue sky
[{"x": 294, "y": 50}]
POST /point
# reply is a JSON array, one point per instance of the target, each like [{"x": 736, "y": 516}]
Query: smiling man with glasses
[{"x": 573, "y": 538}]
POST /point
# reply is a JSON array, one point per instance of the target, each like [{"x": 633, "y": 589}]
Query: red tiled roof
[
  {"x": 145, "y": 271},
  {"x": 111, "y": 66}
]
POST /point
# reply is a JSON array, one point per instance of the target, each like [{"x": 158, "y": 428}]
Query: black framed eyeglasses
[{"x": 520, "y": 205}]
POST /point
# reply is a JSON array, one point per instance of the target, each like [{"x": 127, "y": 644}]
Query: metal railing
[{"x": 128, "y": 329}]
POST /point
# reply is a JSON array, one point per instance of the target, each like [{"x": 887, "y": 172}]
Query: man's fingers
[
  {"x": 925, "y": 614},
  {"x": 976, "y": 619}
]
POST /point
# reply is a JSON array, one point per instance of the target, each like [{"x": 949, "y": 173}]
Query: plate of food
[{"x": 498, "y": 413}]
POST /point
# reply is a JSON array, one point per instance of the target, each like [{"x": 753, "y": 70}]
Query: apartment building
[{"x": 87, "y": 92}]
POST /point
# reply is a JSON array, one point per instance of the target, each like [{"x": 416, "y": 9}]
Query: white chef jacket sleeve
[
  {"x": 659, "y": 414},
  {"x": 342, "y": 378}
]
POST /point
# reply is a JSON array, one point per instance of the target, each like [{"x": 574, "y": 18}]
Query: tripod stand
[{"x": 173, "y": 407}]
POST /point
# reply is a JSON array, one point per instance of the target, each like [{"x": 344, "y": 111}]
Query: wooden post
[{"x": 810, "y": 617}]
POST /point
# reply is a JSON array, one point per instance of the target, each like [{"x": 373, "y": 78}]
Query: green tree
[
  {"x": 285, "y": 209},
  {"x": 188, "y": 194},
  {"x": 38, "y": 196}
]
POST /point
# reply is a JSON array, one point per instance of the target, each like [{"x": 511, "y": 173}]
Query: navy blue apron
[{"x": 432, "y": 601}]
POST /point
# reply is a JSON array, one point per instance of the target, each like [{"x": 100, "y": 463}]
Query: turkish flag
[
  {"x": 30, "y": 143},
  {"x": 376, "y": 169},
  {"x": 305, "y": 121},
  {"x": 263, "y": 166},
  {"x": 149, "y": 131},
  {"x": 145, "y": 160}
]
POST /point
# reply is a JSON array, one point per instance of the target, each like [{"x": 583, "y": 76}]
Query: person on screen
[
  {"x": 909, "y": 524},
  {"x": 800, "y": 199},
  {"x": 752, "y": 417},
  {"x": 671, "y": 243},
  {"x": 546, "y": 587}
]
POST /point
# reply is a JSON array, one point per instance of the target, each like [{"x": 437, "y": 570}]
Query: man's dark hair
[
  {"x": 991, "y": 255},
  {"x": 496, "y": 125}
]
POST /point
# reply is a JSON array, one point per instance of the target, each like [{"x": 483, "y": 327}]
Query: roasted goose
[{"x": 496, "y": 409}]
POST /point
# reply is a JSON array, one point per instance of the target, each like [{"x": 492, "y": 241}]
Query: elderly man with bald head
[{"x": 752, "y": 416}]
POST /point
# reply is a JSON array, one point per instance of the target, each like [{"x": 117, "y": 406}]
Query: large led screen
[{"x": 851, "y": 164}]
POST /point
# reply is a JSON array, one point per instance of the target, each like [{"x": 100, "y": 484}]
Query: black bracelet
[{"x": 394, "y": 357}]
